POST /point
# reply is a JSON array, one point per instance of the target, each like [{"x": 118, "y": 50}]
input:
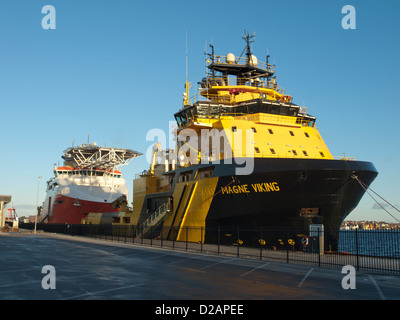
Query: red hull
[{"x": 72, "y": 211}]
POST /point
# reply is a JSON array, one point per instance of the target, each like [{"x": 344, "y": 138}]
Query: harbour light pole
[{"x": 37, "y": 200}]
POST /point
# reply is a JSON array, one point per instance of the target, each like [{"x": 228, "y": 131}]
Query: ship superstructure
[
  {"x": 89, "y": 181},
  {"x": 247, "y": 156},
  {"x": 242, "y": 94}
]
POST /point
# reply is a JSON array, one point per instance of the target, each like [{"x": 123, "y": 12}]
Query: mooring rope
[{"x": 366, "y": 187}]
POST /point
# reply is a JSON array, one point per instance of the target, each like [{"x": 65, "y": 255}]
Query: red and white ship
[{"x": 89, "y": 181}]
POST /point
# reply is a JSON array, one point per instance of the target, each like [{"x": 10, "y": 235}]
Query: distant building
[{"x": 369, "y": 225}]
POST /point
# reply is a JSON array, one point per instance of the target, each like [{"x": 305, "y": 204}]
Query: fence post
[
  {"x": 173, "y": 238},
  {"x": 287, "y": 247},
  {"x": 397, "y": 241},
  {"x": 201, "y": 239},
  {"x": 319, "y": 249},
  {"x": 151, "y": 236},
  {"x": 187, "y": 231},
  {"x": 238, "y": 242},
  {"x": 219, "y": 231},
  {"x": 358, "y": 266},
  {"x": 162, "y": 235},
  {"x": 260, "y": 241}
]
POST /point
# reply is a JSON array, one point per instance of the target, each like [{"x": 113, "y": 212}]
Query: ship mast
[
  {"x": 249, "y": 39},
  {"x": 187, "y": 84}
]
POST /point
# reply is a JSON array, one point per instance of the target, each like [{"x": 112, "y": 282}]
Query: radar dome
[
  {"x": 230, "y": 58},
  {"x": 253, "y": 60}
]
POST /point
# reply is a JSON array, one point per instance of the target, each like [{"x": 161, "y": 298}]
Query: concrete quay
[{"x": 91, "y": 269}]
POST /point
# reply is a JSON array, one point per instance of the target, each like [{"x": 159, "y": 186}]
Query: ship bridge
[
  {"x": 208, "y": 112},
  {"x": 240, "y": 95}
]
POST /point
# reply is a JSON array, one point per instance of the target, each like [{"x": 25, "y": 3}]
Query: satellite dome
[
  {"x": 253, "y": 61},
  {"x": 230, "y": 58}
]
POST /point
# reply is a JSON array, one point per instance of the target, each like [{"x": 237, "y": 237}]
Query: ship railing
[
  {"x": 263, "y": 118},
  {"x": 229, "y": 156},
  {"x": 225, "y": 99},
  {"x": 287, "y": 155},
  {"x": 153, "y": 219},
  {"x": 279, "y": 118},
  {"x": 242, "y": 61},
  {"x": 207, "y": 119},
  {"x": 235, "y": 81},
  {"x": 344, "y": 158},
  {"x": 210, "y": 97},
  {"x": 305, "y": 123}
]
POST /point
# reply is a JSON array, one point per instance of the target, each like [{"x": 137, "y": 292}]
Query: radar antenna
[{"x": 249, "y": 38}]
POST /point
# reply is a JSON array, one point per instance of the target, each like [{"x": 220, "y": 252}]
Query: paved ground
[{"x": 95, "y": 269}]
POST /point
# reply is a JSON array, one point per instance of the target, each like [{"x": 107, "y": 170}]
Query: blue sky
[{"x": 116, "y": 69}]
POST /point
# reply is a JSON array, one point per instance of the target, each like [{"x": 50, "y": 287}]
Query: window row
[
  {"x": 234, "y": 129},
  {"x": 86, "y": 173},
  {"x": 272, "y": 150}
]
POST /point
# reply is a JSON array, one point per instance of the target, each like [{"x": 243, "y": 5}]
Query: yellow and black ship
[{"x": 247, "y": 157}]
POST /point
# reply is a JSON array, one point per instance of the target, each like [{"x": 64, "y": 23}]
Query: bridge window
[
  {"x": 185, "y": 176},
  {"x": 292, "y": 112},
  {"x": 204, "y": 173},
  {"x": 274, "y": 109}
]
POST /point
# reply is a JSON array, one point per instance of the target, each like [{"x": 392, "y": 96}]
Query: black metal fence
[{"x": 374, "y": 250}]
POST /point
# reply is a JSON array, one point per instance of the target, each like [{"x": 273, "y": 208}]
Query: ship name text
[{"x": 254, "y": 187}]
